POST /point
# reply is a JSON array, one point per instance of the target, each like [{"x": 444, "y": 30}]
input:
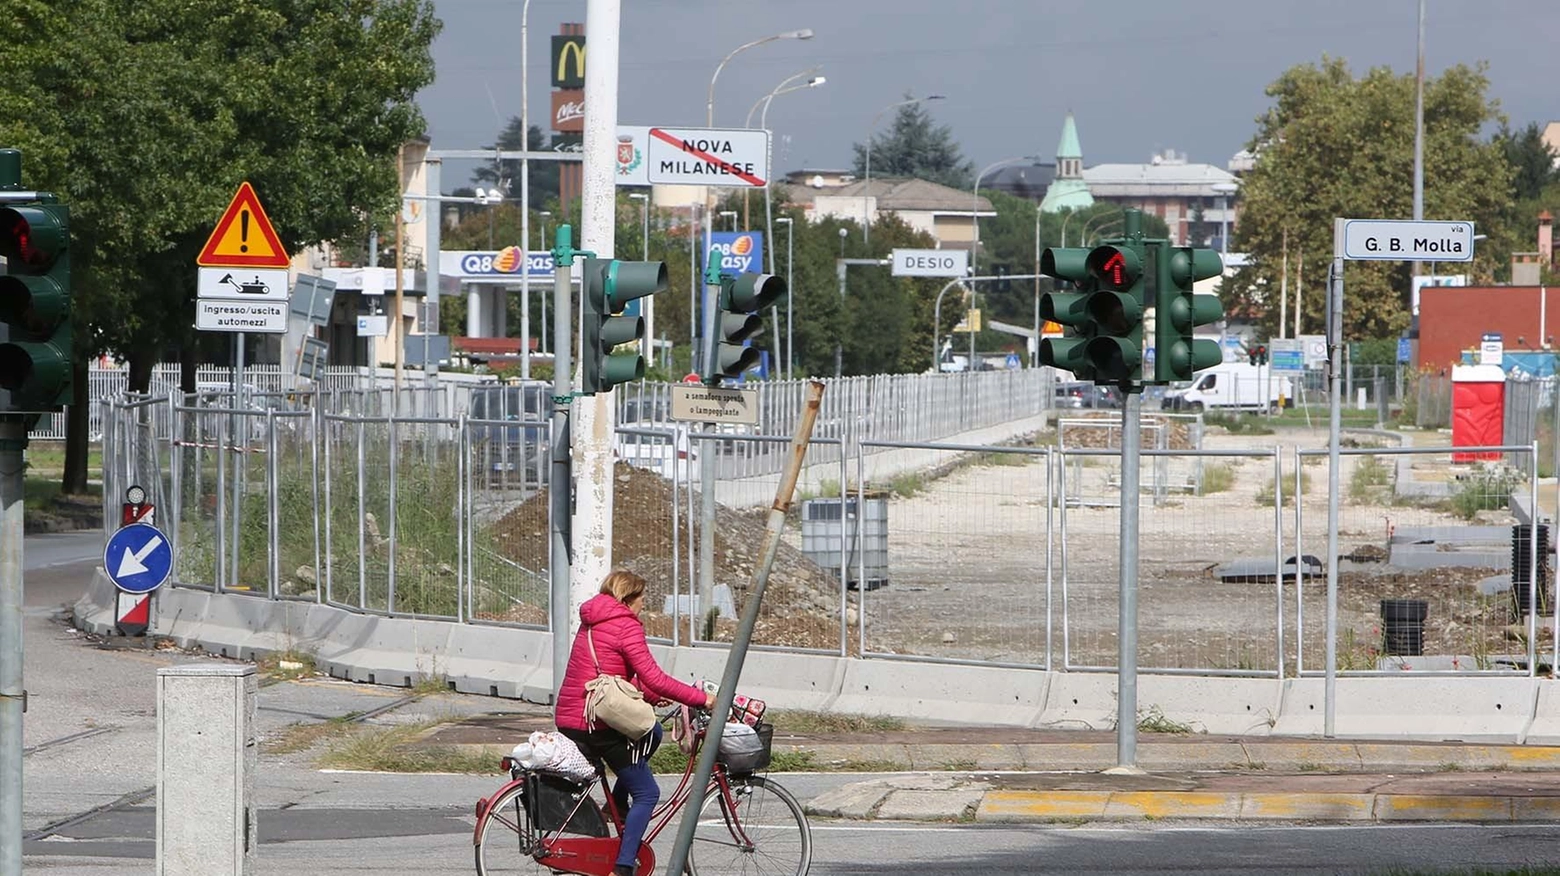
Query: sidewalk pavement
[{"x": 1009, "y": 775}]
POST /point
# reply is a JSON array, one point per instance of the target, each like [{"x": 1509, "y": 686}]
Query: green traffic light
[
  {"x": 605, "y": 359},
  {"x": 1065, "y": 308},
  {"x": 739, "y": 304},
  {"x": 1065, "y": 263},
  {"x": 1177, "y": 354}
]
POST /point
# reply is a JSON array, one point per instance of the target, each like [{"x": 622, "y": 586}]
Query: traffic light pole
[
  {"x": 707, "y": 452},
  {"x": 1334, "y": 418},
  {"x": 1127, "y": 621},
  {"x": 13, "y": 697},
  {"x": 560, "y": 484}
]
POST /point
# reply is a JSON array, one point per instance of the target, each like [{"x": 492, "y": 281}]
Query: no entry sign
[{"x": 708, "y": 157}]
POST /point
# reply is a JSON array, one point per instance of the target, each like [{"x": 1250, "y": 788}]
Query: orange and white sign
[{"x": 244, "y": 237}]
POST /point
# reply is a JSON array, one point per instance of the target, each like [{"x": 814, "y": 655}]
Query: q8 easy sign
[
  {"x": 931, "y": 262},
  {"x": 1388, "y": 240}
]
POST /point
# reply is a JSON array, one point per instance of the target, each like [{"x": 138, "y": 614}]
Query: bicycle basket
[
  {"x": 745, "y": 749},
  {"x": 556, "y": 803}
]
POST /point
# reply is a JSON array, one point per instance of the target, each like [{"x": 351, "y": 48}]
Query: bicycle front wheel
[
  {"x": 760, "y": 831},
  {"x": 507, "y": 839}
]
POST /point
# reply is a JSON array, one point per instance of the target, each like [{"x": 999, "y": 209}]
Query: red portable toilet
[{"x": 1478, "y": 409}]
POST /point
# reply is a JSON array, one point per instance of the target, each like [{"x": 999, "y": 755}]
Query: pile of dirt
[
  {"x": 801, "y": 600},
  {"x": 1075, "y": 436}
]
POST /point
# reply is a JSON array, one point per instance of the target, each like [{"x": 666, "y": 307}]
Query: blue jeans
[{"x": 636, "y": 782}]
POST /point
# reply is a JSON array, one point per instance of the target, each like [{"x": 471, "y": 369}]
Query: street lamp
[
  {"x": 732, "y": 215},
  {"x": 790, "y": 297},
  {"x": 975, "y": 205},
  {"x": 545, "y": 214},
  {"x": 1224, "y": 190},
  {"x": 866, "y": 192},
  {"x": 542, "y": 341},
  {"x": 709, "y": 105},
  {"x": 780, "y": 89}
]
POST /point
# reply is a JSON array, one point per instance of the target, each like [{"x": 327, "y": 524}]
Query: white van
[{"x": 1231, "y": 386}]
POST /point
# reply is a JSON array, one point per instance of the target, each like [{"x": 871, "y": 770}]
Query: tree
[
  {"x": 1334, "y": 145},
  {"x": 544, "y": 174},
  {"x": 1532, "y": 161},
  {"x": 914, "y": 146},
  {"x": 145, "y": 117}
]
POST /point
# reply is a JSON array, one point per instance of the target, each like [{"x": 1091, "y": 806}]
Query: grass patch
[
  {"x": 1153, "y": 720},
  {"x": 1470, "y": 871},
  {"x": 286, "y": 666},
  {"x": 801, "y": 721},
  {"x": 1486, "y": 488},
  {"x": 389, "y": 749},
  {"x": 1265, "y": 494},
  {"x": 1369, "y": 478},
  {"x": 959, "y": 766},
  {"x": 867, "y": 766},
  {"x": 303, "y": 736},
  {"x": 1217, "y": 478},
  {"x": 1238, "y": 424},
  {"x": 669, "y": 760},
  {"x": 1308, "y": 767}
]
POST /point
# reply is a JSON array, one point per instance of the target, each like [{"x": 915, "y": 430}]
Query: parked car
[
  {"x": 1090, "y": 396},
  {"x": 511, "y": 448}
]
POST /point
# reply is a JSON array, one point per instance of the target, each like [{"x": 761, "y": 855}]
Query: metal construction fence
[{"x": 989, "y": 553}]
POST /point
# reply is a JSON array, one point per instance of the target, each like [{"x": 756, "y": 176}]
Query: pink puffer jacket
[{"x": 620, "y": 647}]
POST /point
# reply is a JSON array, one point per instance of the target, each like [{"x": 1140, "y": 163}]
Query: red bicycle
[{"x": 541, "y": 822}]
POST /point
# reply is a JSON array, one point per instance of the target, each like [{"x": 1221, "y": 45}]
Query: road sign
[
  {"x": 311, "y": 358},
  {"x": 1492, "y": 348},
  {"x": 373, "y": 326},
  {"x": 240, "y": 316},
  {"x": 138, "y": 558},
  {"x": 1315, "y": 347},
  {"x": 708, "y": 157},
  {"x": 710, "y": 404},
  {"x": 1012, "y": 362},
  {"x": 251, "y": 284},
  {"x": 1405, "y": 351},
  {"x": 132, "y": 613},
  {"x": 1389, "y": 240},
  {"x": 691, "y": 377},
  {"x": 931, "y": 262},
  {"x": 1286, "y": 354},
  {"x": 243, "y": 237}
]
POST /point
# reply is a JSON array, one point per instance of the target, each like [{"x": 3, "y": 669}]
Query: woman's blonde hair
[{"x": 623, "y": 585}]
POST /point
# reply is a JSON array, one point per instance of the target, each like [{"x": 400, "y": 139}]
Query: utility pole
[
  {"x": 594, "y": 415},
  {"x": 400, "y": 286},
  {"x": 13, "y": 696}
]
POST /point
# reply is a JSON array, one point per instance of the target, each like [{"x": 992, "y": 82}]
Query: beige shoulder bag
[{"x": 611, "y": 700}]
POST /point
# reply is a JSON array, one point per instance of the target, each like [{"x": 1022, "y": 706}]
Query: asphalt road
[{"x": 91, "y": 727}]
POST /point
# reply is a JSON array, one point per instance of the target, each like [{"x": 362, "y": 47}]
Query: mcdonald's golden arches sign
[{"x": 568, "y": 61}]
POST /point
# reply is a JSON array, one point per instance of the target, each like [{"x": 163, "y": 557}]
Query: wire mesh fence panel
[
  {"x": 345, "y": 533},
  {"x": 954, "y": 564},
  {"x": 654, "y": 470},
  {"x": 1432, "y": 395},
  {"x": 296, "y": 515},
  {"x": 507, "y": 521},
  {"x": 802, "y": 603},
  {"x": 249, "y": 501},
  {"x": 1426, "y": 544},
  {"x": 1208, "y": 591},
  {"x": 376, "y": 505},
  {"x": 424, "y": 511},
  {"x": 198, "y": 538}
]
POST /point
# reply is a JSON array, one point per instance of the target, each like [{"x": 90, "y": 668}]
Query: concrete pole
[
  {"x": 1126, "y": 623},
  {"x": 525, "y": 196},
  {"x": 594, "y": 415},
  {"x": 13, "y": 696},
  {"x": 561, "y": 482}
]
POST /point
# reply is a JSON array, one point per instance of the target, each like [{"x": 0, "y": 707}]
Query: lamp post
[
  {"x": 782, "y": 88},
  {"x": 975, "y": 206},
  {"x": 732, "y": 215},
  {"x": 525, "y": 200},
  {"x": 647, "y": 304},
  {"x": 709, "y": 104},
  {"x": 866, "y": 191},
  {"x": 1224, "y": 190},
  {"x": 1034, "y": 352},
  {"x": 544, "y": 215},
  {"x": 790, "y": 297}
]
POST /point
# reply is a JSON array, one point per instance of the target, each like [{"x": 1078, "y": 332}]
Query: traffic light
[
  {"x": 737, "y": 320},
  {"x": 609, "y": 285},
  {"x": 1067, "y": 309},
  {"x": 35, "y": 359},
  {"x": 1116, "y": 308},
  {"x": 1177, "y": 354},
  {"x": 1257, "y": 355}
]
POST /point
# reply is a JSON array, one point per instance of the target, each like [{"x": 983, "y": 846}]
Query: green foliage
[
  {"x": 145, "y": 117},
  {"x": 1369, "y": 478},
  {"x": 1239, "y": 424},
  {"x": 1265, "y": 495},
  {"x": 914, "y": 145},
  {"x": 1334, "y": 144},
  {"x": 1217, "y": 478},
  {"x": 1486, "y": 488}
]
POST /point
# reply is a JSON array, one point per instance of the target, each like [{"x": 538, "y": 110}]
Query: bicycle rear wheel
[
  {"x": 507, "y": 838},
  {"x": 764, "y": 834}
]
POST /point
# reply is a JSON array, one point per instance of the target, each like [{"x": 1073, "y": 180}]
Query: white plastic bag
[{"x": 554, "y": 753}]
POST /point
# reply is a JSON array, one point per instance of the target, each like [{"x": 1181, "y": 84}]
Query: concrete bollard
[{"x": 206, "y": 755}]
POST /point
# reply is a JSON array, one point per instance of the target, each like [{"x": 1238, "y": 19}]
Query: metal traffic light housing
[
  {"x": 737, "y": 322},
  {"x": 1068, "y": 309},
  {"x": 609, "y": 284},
  {"x": 36, "y": 357},
  {"x": 1115, "y": 308},
  {"x": 1177, "y": 353}
]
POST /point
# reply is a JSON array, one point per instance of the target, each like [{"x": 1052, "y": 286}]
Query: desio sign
[{"x": 931, "y": 262}]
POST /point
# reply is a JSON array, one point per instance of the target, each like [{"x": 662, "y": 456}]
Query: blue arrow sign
[{"x": 138, "y": 558}]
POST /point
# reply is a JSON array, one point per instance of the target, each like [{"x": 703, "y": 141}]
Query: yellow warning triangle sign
[{"x": 243, "y": 237}]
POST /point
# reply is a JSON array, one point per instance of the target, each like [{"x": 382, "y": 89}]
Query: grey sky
[{"x": 1140, "y": 76}]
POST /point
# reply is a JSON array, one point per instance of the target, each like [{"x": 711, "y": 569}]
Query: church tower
[{"x": 1068, "y": 191}]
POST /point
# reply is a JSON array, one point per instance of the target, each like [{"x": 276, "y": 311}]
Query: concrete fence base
[{"x": 517, "y": 664}]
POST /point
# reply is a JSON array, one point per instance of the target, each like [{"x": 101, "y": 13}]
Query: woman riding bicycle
[{"x": 610, "y": 626}]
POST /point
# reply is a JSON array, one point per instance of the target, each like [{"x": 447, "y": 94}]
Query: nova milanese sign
[
  {"x": 1390, "y": 240},
  {"x": 706, "y": 157}
]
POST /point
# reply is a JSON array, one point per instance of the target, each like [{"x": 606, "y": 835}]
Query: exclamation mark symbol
[{"x": 243, "y": 231}]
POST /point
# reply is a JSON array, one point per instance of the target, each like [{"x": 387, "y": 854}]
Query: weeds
[
  {"x": 1153, "y": 720},
  {"x": 1265, "y": 494},
  {"x": 670, "y": 760},
  {"x": 1486, "y": 488},
  {"x": 804, "y": 722},
  {"x": 303, "y": 736},
  {"x": 1217, "y": 478},
  {"x": 287, "y": 666},
  {"x": 1238, "y": 424},
  {"x": 387, "y": 749},
  {"x": 1369, "y": 477}
]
